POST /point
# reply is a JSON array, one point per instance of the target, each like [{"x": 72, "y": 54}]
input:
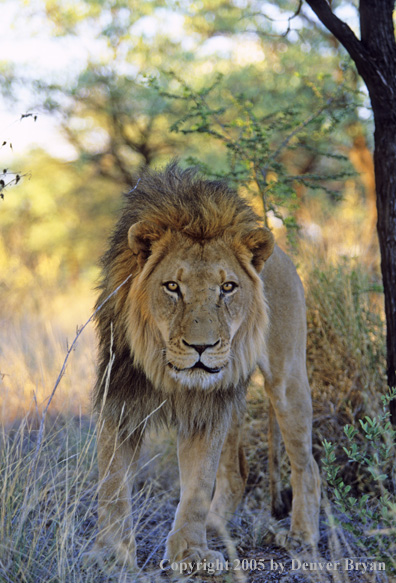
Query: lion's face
[
  {"x": 200, "y": 307},
  {"x": 198, "y": 298}
]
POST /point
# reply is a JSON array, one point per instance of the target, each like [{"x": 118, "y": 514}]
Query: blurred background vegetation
[{"x": 287, "y": 105}]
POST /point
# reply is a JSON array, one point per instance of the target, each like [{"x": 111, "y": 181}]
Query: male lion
[{"x": 209, "y": 298}]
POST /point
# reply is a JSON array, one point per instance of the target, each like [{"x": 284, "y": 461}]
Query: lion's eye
[
  {"x": 228, "y": 287},
  {"x": 171, "y": 286}
]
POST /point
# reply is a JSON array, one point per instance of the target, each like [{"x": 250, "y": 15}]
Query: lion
[{"x": 205, "y": 296}]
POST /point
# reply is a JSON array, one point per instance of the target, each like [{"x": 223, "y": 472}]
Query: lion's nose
[{"x": 200, "y": 348}]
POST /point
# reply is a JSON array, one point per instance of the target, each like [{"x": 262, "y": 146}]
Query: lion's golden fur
[
  {"x": 172, "y": 205},
  {"x": 204, "y": 298}
]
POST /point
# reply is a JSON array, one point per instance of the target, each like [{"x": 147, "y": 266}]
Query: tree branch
[
  {"x": 343, "y": 33},
  {"x": 375, "y": 54}
]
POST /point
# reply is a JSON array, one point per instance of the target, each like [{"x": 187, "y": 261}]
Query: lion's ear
[
  {"x": 141, "y": 236},
  {"x": 261, "y": 244}
]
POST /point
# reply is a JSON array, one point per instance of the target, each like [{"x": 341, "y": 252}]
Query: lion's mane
[{"x": 174, "y": 201}]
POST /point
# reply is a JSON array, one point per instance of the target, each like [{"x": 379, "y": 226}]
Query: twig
[
  {"x": 304, "y": 123},
  {"x": 298, "y": 129},
  {"x": 4, "y": 184}
]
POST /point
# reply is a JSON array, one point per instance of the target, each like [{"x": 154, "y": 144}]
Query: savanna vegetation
[{"x": 258, "y": 93}]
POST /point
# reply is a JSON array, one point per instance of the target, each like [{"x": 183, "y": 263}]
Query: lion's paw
[
  {"x": 293, "y": 541},
  {"x": 104, "y": 554},
  {"x": 184, "y": 557}
]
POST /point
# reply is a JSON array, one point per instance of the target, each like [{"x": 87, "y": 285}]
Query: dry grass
[
  {"x": 33, "y": 345},
  {"x": 48, "y": 502}
]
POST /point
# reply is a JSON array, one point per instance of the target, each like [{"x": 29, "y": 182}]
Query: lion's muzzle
[
  {"x": 210, "y": 357},
  {"x": 200, "y": 348}
]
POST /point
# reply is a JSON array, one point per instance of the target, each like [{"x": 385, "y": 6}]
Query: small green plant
[{"x": 371, "y": 517}]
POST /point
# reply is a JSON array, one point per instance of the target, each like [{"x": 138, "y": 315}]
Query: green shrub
[{"x": 370, "y": 517}]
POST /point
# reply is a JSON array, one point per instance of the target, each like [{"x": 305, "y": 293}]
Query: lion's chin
[{"x": 197, "y": 377}]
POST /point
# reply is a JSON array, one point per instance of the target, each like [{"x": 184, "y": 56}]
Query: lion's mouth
[{"x": 198, "y": 365}]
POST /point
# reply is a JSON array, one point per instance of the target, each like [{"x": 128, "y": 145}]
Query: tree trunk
[
  {"x": 385, "y": 177},
  {"x": 375, "y": 58}
]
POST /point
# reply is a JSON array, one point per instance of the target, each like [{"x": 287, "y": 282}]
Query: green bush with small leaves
[{"x": 370, "y": 517}]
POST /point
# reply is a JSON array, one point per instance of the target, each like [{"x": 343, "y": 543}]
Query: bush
[{"x": 369, "y": 517}]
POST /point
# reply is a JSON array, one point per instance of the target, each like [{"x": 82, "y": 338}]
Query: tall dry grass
[{"x": 33, "y": 345}]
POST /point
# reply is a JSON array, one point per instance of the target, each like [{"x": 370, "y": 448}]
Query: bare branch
[
  {"x": 343, "y": 33},
  {"x": 375, "y": 54},
  {"x": 5, "y": 182}
]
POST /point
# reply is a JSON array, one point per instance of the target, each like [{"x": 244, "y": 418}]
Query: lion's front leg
[
  {"x": 230, "y": 479},
  {"x": 292, "y": 404},
  {"x": 198, "y": 462},
  {"x": 116, "y": 461}
]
